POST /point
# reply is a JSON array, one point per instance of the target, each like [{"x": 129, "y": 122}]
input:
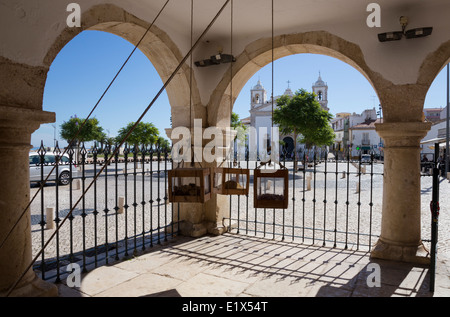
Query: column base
[
  {"x": 194, "y": 230},
  {"x": 216, "y": 229},
  {"x": 36, "y": 288},
  {"x": 410, "y": 254}
]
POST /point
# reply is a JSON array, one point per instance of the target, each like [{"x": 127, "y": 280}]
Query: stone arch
[
  {"x": 157, "y": 46},
  {"x": 433, "y": 64},
  {"x": 258, "y": 54}
]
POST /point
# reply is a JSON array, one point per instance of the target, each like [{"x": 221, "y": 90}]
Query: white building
[
  {"x": 355, "y": 133},
  {"x": 261, "y": 112},
  {"x": 437, "y": 134},
  {"x": 365, "y": 139}
]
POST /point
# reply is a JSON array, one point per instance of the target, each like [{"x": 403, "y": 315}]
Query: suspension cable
[
  {"x": 123, "y": 141},
  {"x": 42, "y": 184}
]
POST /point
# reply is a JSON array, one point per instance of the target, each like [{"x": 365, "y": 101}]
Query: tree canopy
[
  {"x": 303, "y": 116},
  {"x": 143, "y": 134},
  {"x": 91, "y": 130}
]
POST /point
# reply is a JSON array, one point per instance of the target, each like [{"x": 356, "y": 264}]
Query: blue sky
[{"x": 86, "y": 65}]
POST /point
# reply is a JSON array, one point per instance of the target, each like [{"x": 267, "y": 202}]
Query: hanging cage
[
  {"x": 189, "y": 185},
  {"x": 271, "y": 188},
  {"x": 230, "y": 181}
]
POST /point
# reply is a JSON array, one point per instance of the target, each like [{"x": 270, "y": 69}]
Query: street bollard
[
  {"x": 76, "y": 184},
  {"x": 121, "y": 204},
  {"x": 50, "y": 218}
]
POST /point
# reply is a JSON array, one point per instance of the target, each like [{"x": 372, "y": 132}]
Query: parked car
[
  {"x": 366, "y": 159},
  {"x": 64, "y": 168}
]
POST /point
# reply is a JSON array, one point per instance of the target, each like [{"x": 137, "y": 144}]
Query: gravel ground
[{"x": 320, "y": 215}]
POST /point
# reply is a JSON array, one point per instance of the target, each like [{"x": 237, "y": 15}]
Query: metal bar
[
  {"x": 151, "y": 194},
  {"x": 293, "y": 189},
  {"x": 143, "y": 152},
  {"x": 158, "y": 199},
  {"x": 314, "y": 197},
  {"x": 57, "y": 219},
  {"x": 116, "y": 198},
  {"x": 42, "y": 222},
  {"x": 247, "y": 158},
  {"x": 325, "y": 199},
  {"x": 336, "y": 198},
  {"x": 83, "y": 204},
  {"x": 135, "y": 150},
  {"x": 434, "y": 219},
  {"x": 71, "y": 217},
  {"x": 359, "y": 199},
  {"x": 371, "y": 201},
  {"x": 347, "y": 202},
  {"x": 94, "y": 157},
  {"x": 165, "y": 193},
  {"x": 305, "y": 163},
  {"x": 106, "y": 210},
  {"x": 125, "y": 207}
]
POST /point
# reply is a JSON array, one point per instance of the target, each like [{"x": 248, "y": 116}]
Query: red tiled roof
[{"x": 369, "y": 124}]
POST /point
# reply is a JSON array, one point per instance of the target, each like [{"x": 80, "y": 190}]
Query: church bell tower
[{"x": 320, "y": 88}]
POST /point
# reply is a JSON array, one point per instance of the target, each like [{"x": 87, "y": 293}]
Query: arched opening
[
  {"x": 157, "y": 47},
  {"x": 80, "y": 74},
  {"x": 348, "y": 96}
]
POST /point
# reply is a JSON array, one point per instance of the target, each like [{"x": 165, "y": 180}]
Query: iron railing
[
  {"x": 125, "y": 211},
  {"x": 332, "y": 202}
]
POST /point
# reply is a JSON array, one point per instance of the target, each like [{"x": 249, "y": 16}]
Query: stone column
[
  {"x": 400, "y": 227},
  {"x": 198, "y": 219},
  {"x": 16, "y": 127}
]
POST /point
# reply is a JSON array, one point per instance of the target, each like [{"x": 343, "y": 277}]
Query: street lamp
[{"x": 54, "y": 135}]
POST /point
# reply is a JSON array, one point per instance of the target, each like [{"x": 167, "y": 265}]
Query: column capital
[
  {"x": 402, "y": 134},
  {"x": 17, "y": 124},
  {"x": 11, "y": 115}
]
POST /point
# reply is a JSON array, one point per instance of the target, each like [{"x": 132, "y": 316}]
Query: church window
[{"x": 319, "y": 95}]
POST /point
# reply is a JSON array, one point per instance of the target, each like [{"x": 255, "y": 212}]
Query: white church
[{"x": 261, "y": 112}]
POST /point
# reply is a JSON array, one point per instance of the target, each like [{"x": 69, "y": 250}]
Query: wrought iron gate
[{"x": 332, "y": 202}]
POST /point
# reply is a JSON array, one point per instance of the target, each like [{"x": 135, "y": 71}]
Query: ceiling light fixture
[
  {"x": 410, "y": 34},
  {"x": 216, "y": 60}
]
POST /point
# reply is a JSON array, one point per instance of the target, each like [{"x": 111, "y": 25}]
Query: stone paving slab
[{"x": 241, "y": 266}]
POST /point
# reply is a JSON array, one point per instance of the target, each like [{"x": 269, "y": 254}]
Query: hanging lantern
[
  {"x": 271, "y": 188},
  {"x": 231, "y": 181},
  {"x": 189, "y": 185}
]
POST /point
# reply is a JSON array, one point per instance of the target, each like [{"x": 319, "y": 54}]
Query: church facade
[{"x": 261, "y": 114}]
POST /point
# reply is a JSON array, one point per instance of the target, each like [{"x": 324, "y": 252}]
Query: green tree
[
  {"x": 240, "y": 128},
  {"x": 163, "y": 144},
  {"x": 303, "y": 116},
  {"x": 143, "y": 134},
  {"x": 91, "y": 130}
]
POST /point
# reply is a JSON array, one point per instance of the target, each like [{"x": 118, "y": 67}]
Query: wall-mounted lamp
[
  {"x": 410, "y": 34},
  {"x": 216, "y": 60}
]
